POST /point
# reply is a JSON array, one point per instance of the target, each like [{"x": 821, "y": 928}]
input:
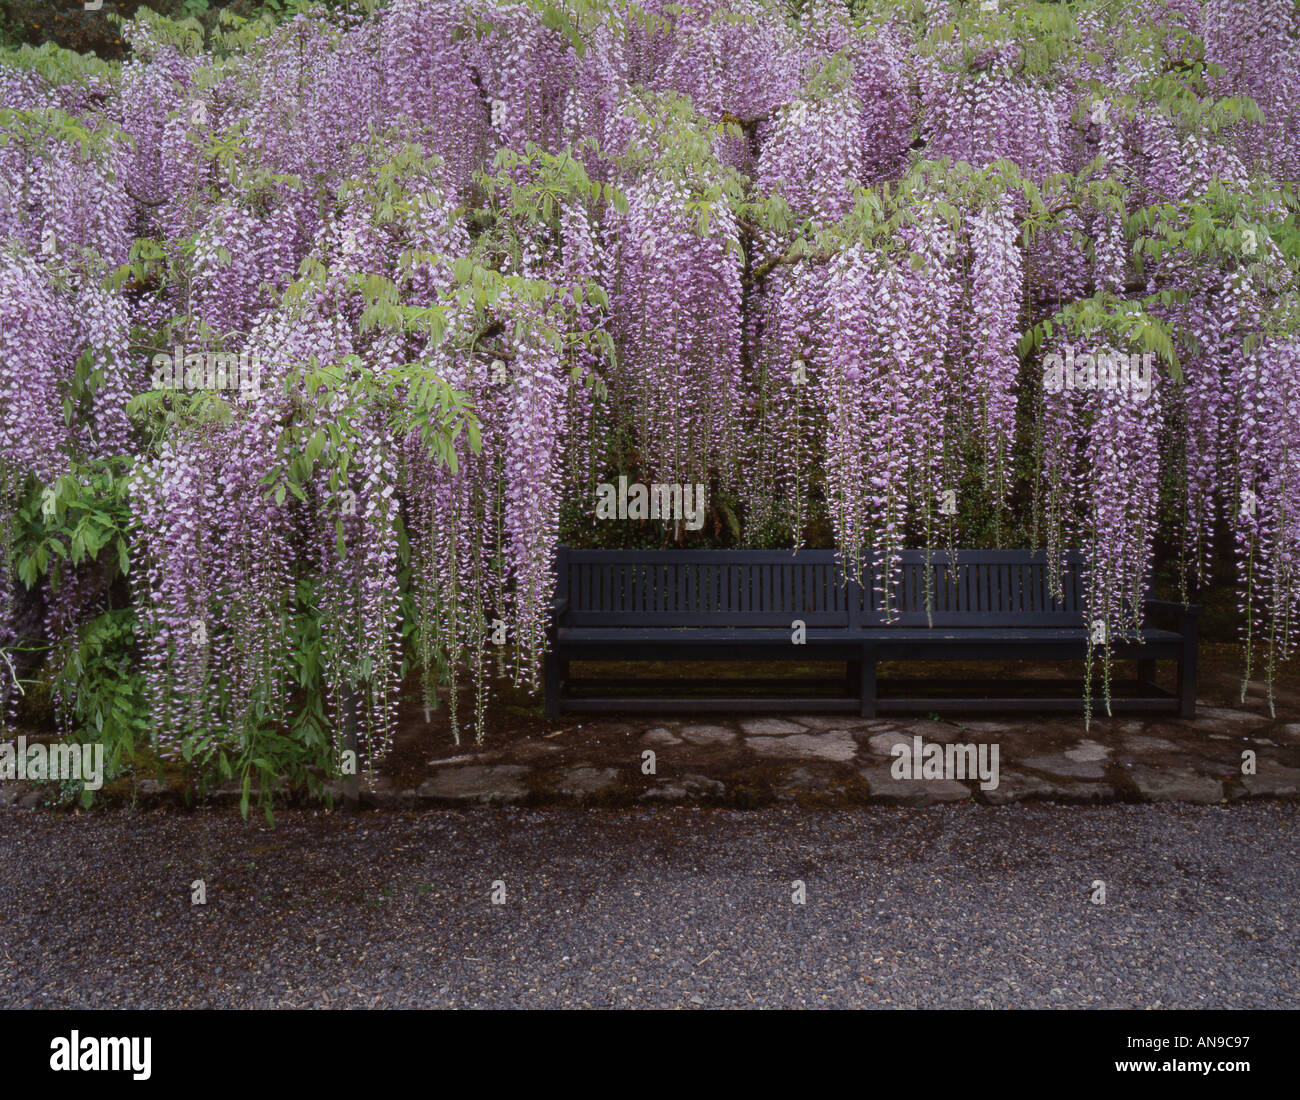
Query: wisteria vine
[{"x": 880, "y": 274}]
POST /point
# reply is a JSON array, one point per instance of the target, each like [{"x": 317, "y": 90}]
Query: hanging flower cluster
[{"x": 676, "y": 315}]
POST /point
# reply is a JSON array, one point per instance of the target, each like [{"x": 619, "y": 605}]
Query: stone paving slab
[
  {"x": 707, "y": 735},
  {"x": 770, "y": 727},
  {"x": 1226, "y": 754},
  {"x": 1156, "y": 785},
  {"x": 830, "y": 745},
  {"x": 1271, "y": 781},
  {"x": 476, "y": 784},
  {"x": 1062, "y": 767},
  {"x": 911, "y": 792},
  {"x": 1017, "y": 786}
]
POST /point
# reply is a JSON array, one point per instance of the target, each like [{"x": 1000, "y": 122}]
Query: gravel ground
[{"x": 958, "y": 906}]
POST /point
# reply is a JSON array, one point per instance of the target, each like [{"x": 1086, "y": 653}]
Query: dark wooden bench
[{"x": 742, "y": 605}]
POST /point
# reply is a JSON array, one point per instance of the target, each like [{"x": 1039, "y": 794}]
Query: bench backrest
[
  {"x": 702, "y": 587},
  {"x": 981, "y": 588},
  {"x": 771, "y": 588}
]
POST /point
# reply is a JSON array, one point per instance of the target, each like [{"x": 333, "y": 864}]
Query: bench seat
[
  {"x": 695, "y": 635},
  {"x": 744, "y": 636}
]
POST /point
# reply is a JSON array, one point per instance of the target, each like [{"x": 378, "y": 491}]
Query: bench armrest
[{"x": 559, "y": 608}]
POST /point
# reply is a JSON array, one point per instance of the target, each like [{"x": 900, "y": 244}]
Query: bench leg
[
  {"x": 867, "y": 692},
  {"x": 551, "y": 667}
]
